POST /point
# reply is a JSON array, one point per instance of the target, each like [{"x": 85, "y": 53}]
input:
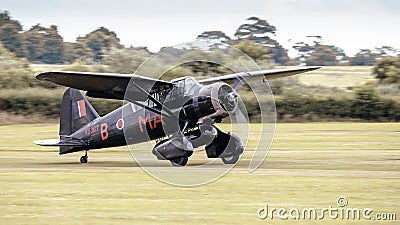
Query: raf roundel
[{"x": 120, "y": 124}]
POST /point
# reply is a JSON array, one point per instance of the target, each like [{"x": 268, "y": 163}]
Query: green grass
[
  {"x": 309, "y": 165},
  {"x": 38, "y": 68},
  {"x": 338, "y": 76}
]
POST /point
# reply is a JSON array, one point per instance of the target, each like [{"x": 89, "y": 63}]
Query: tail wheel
[
  {"x": 182, "y": 161},
  {"x": 230, "y": 159},
  {"x": 84, "y": 159}
]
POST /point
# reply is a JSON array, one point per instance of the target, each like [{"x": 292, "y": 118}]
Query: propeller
[{"x": 225, "y": 98}]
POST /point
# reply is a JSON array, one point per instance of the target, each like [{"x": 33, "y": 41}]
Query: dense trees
[
  {"x": 38, "y": 44},
  {"x": 305, "y": 48},
  {"x": 368, "y": 57},
  {"x": 43, "y": 45},
  {"x": 388, "y": 70},
  {"x": 10, "y": 34},
  {"x": 365, "y": 57},
  {"x": 124, "y": 60},
  {"x": 312, "y": 52},
  {"x": 98, "y": 41},
  {"x": 215, "y": 36},
  {"x": 256, "y": 32},
  {"x": 21, "y": 94},
  {"x": 260, "y": 32},
  {"x": 101, "y": 51},
  {"x": 256, "y": 52},
  {"x": 325, "y": 55}
]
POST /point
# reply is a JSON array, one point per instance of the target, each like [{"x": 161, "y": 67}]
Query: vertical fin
[{"x": 76, "y": 112}]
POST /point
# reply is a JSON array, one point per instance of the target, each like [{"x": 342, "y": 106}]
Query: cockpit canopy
[{"x": 186, "y": 86}]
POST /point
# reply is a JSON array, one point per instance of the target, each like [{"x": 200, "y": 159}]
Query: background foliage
[{"x": 331, "y": 94}]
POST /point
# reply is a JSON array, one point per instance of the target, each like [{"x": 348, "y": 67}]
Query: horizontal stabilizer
[{"x": 57, "y": 142}]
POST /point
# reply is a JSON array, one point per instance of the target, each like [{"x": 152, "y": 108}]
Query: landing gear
[
  {"x": 226, "y": 146},
  {"x": 182, "y": 161},
  {"x": 177, "y": 150},
  {"x": 84, "y": 158},
  {"x": 230, "y": 159}
]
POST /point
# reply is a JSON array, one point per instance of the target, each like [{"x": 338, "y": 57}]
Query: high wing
[
  {"x": 268, "y": 74},
  {"x": 114, "y": 85},
  {"x": 106, "y": 85}
]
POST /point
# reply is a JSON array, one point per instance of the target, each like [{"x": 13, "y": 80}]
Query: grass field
[
  {"x": 338, "y": 76},
  {"x": 309, "y": 165}
]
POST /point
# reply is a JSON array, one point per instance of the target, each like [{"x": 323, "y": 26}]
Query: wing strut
[
  {"x": 158, "y": 103},
  {"x": 154, "y": 110}
]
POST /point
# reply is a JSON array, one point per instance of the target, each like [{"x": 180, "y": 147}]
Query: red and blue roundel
[{"x": 120, "y": 124}]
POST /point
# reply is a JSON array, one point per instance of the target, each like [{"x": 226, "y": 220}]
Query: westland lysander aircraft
[{"x": 180, "y": 113}]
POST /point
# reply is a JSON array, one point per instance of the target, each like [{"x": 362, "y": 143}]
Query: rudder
[{"x": 75, "y": 113}]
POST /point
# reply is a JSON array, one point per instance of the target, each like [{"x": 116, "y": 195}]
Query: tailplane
[{"x": 76, "y": 112}]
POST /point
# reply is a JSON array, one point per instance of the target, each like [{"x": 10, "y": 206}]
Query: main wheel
[
  {"x": 230, "y": 159},
  {"x": 84, "y": 159},
  {"x": 182, "y": 161}
]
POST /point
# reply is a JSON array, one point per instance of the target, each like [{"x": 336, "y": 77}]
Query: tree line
[
  {"x": 42, "y": 44},
  {"x": 101, "y": 51}
]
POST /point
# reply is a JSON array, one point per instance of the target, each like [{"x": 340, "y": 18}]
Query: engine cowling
[
  {"x": 212, "y": 100},
  {"x": 223, "y": 97}
]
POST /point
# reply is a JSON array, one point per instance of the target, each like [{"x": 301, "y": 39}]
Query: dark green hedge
[
  {"x": 295, "y": 107},
  {"x": 47, "y": 106},
  {"x": 369, "y": 110}
]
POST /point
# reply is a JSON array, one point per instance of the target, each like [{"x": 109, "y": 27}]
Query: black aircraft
[{"x": 180, "y": 114}]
